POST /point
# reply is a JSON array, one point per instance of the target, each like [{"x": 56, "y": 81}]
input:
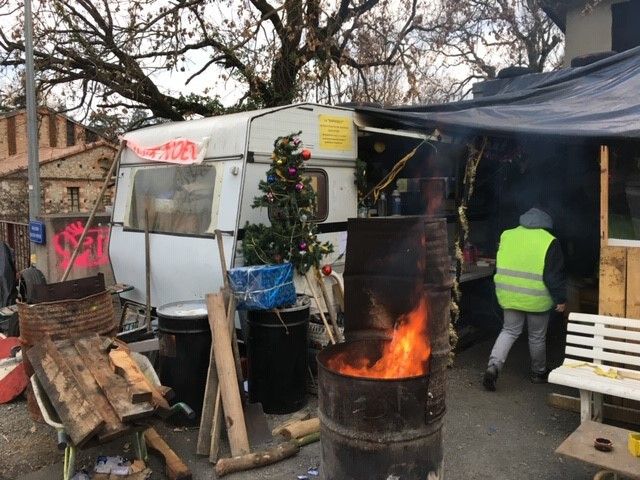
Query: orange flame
[{"x": 406, "y": 355}]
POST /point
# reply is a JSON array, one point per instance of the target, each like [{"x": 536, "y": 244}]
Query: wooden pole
[
  {"x": 324, "y": 320},
  {"x": 332, "y": 311},
  {"x": 92, "y": 215},
  {"x": 147, "y": 269},
  {"x": 225, "y": 366},
  {"x": 604, "y": 195}
]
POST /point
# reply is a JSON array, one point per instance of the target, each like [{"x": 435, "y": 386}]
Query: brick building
[{"x": 73, "y": 163}]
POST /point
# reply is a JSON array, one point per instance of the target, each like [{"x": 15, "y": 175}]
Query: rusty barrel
[
  {"x": 65, "y": 319},
  {"x": 376, "y": 429}
]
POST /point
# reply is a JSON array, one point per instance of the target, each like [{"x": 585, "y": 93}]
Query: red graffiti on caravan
[{"x": 92, "y": 253}]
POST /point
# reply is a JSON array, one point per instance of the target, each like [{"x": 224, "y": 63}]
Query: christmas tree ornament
[
  {"x": 326, "y": 270},
  {"x": 302, "y": 245},
  {"x": 303, "y": 218},
  {"x": 279, "y": 161},
  {"x": 293, "y": 171},
  {"x": 296, "y": 141},
  {"x": 306, "y": 154},
  {"x": 299, "y": 186},
  {"x": 271, "y": 178},
  {"x": 269, "y": 197}
]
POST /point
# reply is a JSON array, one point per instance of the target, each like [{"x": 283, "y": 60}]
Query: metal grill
[{"x": 16, "y": 235}]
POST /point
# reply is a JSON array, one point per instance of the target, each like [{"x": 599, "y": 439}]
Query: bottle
[
  {"x": 396, "y": 203},
  {"x": 382, "y": 205}
]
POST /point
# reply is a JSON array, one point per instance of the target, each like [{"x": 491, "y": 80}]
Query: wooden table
[{"x": 579, "y": 445}]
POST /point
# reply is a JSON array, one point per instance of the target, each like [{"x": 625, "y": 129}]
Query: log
[
  {"x": 308, "y": 439},
  {"x": 175, "y": 467},
  {"x": 255, "y": 460},
  {"x": 228, "y": 381},
  {"x": 301, "y": 429},
  {"x": 296, "y": 417}
]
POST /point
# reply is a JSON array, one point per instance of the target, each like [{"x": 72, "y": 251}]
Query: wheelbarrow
[{"x": 64, "y": 442}]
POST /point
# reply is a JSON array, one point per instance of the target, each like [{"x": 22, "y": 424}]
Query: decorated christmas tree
[{"x": 291, "y": 200}]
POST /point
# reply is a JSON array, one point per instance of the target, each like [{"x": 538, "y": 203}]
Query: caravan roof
[{"x": 227, "y": 133}]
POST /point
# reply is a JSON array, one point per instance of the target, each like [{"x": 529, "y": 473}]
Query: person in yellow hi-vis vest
[{"x": 530, "y": 283}]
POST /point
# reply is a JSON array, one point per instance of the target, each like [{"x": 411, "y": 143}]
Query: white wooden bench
[{"x": 596, "y": 344}]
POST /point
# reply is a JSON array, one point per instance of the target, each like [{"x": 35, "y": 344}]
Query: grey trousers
[{"x": 513, "y": 324}]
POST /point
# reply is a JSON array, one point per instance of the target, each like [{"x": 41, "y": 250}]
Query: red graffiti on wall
[{"x": 93, "y": 251}]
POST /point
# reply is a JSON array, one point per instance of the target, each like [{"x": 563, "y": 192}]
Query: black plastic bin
[
  {"x": 277, "y": 357},
  {"x": 185, "y": 347}
]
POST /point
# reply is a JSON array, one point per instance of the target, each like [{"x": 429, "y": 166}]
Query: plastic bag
[{"x": 263, "y": 287}]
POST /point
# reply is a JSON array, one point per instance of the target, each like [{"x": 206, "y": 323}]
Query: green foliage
[{"x": 292, "y": 236}]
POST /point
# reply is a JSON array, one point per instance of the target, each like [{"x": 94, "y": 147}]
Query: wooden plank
[
  {"x": 600, "y": 319},
  {"x": 218, "y": 417},
  {"x": 579, "y": 445},
  {"x": 633, "y": 286},
  {"x": 203, "y": 446},
  {"x": 625, "y": 347},
  {"x": 77, "y": 415},
  {"x": 175, "y": 467},
  {"x": 613, "y": 278},
  {"x": 225, "y": 366},
  {"x": 604, "y": 196},
  {"x": 114, "y": 387},
  {"x": 124, "y": 365},
  {"x": 606, "y": 356},
  {"x": 113, "y": 427},
  {"x": 609, "y": 412},
  {"x": 606, "y": 332}
]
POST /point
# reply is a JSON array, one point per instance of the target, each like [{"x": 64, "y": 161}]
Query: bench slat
[
  {"x": 605, "y": 332},
  {"x": 606, "y": 356},
  {"x": 586, "y": 379},
  {"x": 601, "y": 319},
  {"x": 602, "y": 343}
]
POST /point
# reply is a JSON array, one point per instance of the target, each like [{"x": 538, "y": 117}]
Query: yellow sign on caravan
[{"x": 336, "y": 132}]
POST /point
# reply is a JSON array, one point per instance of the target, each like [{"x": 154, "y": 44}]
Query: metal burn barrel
[
  {"x": 381, "y": 429},
  {"x": 376, "y": 429}
]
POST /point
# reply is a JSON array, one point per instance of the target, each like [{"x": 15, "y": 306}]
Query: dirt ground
[{"x": 507, "y": 435}]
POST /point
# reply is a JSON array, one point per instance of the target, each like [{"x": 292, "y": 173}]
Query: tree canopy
[{"x": 173, "y": 58}]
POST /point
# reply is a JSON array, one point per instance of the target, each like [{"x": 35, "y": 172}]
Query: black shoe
[
  {"x": 490, "y": 377},
  {"x": 537, "y": 377}
]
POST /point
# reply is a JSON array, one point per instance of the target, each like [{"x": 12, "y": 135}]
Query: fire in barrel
[{"x": 381, "y": 394}]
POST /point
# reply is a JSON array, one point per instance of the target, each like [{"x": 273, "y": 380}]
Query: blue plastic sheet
[{"x": 263, "y": 287}]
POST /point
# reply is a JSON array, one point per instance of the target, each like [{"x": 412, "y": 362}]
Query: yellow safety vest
[{"x": 520, "y": 268}]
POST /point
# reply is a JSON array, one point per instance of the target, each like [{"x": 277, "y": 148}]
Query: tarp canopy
[{"x": 597, "y": 101}]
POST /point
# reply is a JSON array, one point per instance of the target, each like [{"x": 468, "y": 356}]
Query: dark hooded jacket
[{"x": 554, "y": 275}]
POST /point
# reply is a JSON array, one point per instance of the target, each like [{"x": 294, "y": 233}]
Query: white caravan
[{"x": 184, "y": 205}]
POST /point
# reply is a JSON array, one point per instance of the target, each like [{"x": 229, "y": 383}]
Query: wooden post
[
  {"x": 324, "y": 320},
  {"x": 604, "y": 196},
  {"x": 93, "y": 211},
  {"x": 332, "y": 311},
  {"x": 225, "y": 366},
  {"x": 147, "y": 269}
]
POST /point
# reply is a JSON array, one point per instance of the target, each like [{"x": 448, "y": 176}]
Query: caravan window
[
  {"x": 177, "y": 199},
  {"x": 319, "y": 184}
]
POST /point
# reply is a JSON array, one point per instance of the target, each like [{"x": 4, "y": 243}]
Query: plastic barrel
[
  {"x": 185, "y": 347},
  {"x": 277, "y": 357}
]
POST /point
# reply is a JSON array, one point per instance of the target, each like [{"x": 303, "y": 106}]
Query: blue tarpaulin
[{"x": 597, "y": 101}]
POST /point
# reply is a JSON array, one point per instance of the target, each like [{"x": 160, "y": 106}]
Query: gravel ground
[{"x": 510, "y": 434}]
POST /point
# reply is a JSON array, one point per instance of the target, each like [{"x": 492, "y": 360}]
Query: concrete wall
[
  {"x": 62, "y": 235},
  {"x": 588, "y": 32}
]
